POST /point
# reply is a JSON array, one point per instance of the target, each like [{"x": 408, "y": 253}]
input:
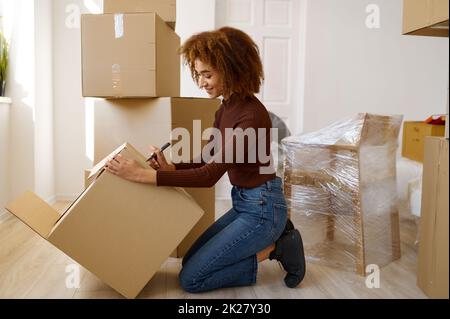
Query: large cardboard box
[
  {"x": 433, "y": 243},
  {"x": 120, "y": 231},
  {"x": 145, "y": 122},
  {"x": 414, "y": 134},
  {"x": 425, "y": 17},
  {"x": 166, "y": 9},
  {"x": 204, "y": 197},
  {"x": 129, "y": 55}
]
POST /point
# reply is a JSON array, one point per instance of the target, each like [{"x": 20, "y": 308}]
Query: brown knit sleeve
[
  {"x": 205, "y": 176},
  {"x": 208, "y": 174},
  {"x": 181, "y": 166}
]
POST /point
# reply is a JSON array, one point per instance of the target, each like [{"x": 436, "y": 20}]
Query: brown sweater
[{"x": 234, "y": 113}]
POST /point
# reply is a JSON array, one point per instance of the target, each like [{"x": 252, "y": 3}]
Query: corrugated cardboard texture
[
  {"x": 166, "y": 9},
  {"x": 149, "y": 122},
  {"x": 128, "y": 63},
  {"x": 34, "y": 212},
  {"x": 434, "y": 237}
]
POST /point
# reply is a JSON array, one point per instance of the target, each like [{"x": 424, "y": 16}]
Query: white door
[{"x": 275, "y": 27}]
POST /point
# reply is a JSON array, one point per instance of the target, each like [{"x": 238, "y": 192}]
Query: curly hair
[{"x": 232, "y": 53}]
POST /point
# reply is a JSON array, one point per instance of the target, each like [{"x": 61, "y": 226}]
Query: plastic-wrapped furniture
[
  {"x": 340, "y": 184},
  {"x": 283, "y": 132}
]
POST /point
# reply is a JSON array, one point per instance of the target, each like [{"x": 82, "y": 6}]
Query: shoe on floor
[{"x": 289, "y": 252}]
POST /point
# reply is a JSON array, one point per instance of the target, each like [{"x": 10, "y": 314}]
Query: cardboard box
[
  {"x": 204, "y": 197},
  {"x": 414, "y": 134},
  {"x": 166, "y": 9},
  {"x": 425, "y": 17},
  {"x": 145, "y": 122},
  {"x": 129, "y": 55},
  {"x": 119, "y": 230},
  {"x": 433, "y": 244}
]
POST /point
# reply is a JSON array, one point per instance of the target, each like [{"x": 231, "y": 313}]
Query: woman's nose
[{"x": 202, "y": 83}]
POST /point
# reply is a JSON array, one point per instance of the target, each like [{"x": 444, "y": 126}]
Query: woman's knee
[{"x": 188, "y": 281}]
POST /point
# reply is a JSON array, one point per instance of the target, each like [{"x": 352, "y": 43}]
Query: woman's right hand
[{"x": 160, "y": 163}]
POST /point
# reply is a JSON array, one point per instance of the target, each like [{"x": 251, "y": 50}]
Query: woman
[{"x": 226, "y": 63}]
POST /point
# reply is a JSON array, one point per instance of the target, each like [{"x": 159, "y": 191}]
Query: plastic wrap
[
  {"x": 340, "y": 185},
  {"x": 276, "y": 147}
]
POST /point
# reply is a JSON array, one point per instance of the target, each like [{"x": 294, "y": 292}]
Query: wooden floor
[{"x": 30, "y": 267}]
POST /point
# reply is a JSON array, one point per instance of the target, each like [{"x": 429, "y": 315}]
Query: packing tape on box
[
  {"x": 118, "y": 25},
  {"x": 115, "y": 68}
]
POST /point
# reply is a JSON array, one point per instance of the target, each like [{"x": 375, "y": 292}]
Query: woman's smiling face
[{"x": 209, "y": 79}]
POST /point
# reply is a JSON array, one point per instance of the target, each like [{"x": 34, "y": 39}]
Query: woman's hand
[
  {"x": 126, "y": 168},
  {"x": 160, "y": 163}
]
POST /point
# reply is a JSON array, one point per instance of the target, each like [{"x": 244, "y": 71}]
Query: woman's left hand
[{"x": 126, "y": 168}]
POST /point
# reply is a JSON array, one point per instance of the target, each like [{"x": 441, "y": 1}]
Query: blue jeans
[{"x": 225, "y": 254}]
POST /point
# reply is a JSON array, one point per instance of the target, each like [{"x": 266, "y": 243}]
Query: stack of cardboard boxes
[
  {"x": 119, "y": 230},
  {"x": 130, "y": 58}
]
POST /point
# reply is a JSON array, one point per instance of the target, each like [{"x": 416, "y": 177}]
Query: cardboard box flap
[
  {"x": 99, "y": 166},
  {"x": 134, "y": 154},
  {"x": 34, "y": 212}
]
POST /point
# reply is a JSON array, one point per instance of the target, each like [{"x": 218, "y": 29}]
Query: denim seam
[
  {"x": 252, "y": 200},
  {"x": 276, "y": 218},
  {"x": 255, "y": 268}
]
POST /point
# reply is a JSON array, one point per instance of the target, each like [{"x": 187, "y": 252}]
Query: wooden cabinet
[{"x": 425, "y": 17}]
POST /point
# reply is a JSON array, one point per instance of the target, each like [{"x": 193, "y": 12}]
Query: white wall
[
  {"x": 28, "y": 29},
  {"x": 44, "y": 146},
  {"x": 18, "y": 23},
  {"x": 350, "y": 68},
  {"x": 193, "y": 16},
  {"x": 4, "y": 143},
  {"x": 69, "y": 108}
]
